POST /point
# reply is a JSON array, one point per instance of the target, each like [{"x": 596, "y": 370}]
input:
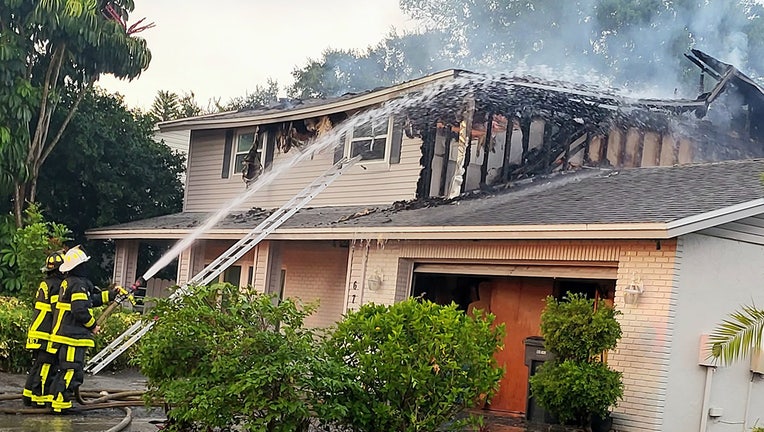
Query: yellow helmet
[
  {"x": 53, "y": 261},
  {"x": 74, "y": 257}
]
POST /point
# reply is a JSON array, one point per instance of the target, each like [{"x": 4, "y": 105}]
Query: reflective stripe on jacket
[
  {"x": 42, "y": 320},
  {"x": 74, "y": 320}
]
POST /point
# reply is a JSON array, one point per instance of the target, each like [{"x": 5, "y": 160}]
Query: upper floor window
[
  {"x": 244, "y": 142},
  {"x": 370, "y": 140}
]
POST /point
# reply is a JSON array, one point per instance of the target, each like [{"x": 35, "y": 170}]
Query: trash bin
[{"x": 535, "y": 355}]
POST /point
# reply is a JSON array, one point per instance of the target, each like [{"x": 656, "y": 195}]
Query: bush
[
  {"x": 23, "y": 252},
  {"x": 233, "y": 357},
  {"x": 15, "y": 319},
  {"x": 576, "y": 385},
  {"x": 575, "y": 390},
  {"x": 416, "y": 364},
  {"x": 115, "y": 325}
]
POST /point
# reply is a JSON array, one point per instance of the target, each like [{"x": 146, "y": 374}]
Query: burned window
[
  {"x": 370, "y": 140},
  {"x": 244, "y": 142}
]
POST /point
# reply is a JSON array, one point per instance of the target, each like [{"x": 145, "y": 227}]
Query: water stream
[{"x": 419, "y": 100}]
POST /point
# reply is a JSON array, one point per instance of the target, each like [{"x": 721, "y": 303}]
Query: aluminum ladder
[{"x": 221, "y": 263}]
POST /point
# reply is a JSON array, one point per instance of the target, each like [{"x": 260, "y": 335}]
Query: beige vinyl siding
[
  {"x": 378, "y": 183},
  {"x": 176, "y": 140}
]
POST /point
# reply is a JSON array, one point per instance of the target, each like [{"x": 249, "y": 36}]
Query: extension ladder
[{"x": 221, "y": 263}]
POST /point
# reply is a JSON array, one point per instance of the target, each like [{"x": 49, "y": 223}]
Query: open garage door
[
  {"x": 532, "y": 270},
  {"x": 515, "y": 294}
]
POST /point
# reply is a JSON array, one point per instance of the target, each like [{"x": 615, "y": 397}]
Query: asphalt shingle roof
[{"x": 588, "y": 196}]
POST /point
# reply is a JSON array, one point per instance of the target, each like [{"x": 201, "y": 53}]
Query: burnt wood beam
[
  {"x": 507, "y": 149},
  {"x": 486, "y": 149},
  {"x": 446, "y": 158},
  {"x": 428, "y": 152},
  {"x": 525, "y": 129}
]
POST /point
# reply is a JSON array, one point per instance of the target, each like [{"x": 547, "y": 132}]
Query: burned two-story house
[{"x": 508, "y": 188}]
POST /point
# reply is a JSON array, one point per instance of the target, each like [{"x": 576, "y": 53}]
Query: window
[
  {"x": 249, "y": 143},
  {"x": 370, "y": 140},
  {"x": 232, "y": 275}
]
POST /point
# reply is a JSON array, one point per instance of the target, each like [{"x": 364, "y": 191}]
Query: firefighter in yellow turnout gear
[
  {"x": 44, "y": 367},
  {"x": 74, "y": 327}
]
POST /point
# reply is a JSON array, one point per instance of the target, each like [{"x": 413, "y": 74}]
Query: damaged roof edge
[
  {"x": 360, "y": 101},
  {"x": 498, "y": 232}
]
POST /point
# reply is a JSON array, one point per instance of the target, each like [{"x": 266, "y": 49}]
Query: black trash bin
[{"x": 535, "y": 355}]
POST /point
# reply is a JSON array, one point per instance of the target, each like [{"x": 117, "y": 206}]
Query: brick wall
[
  {"x": 643, "y": 352},
  {"x": 316, "y": 271}
]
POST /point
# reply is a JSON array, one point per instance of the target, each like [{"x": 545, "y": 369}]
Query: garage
[{"x": 515, "y": 293}]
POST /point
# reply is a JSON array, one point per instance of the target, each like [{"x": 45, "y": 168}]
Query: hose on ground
[{"x": 124, "y": 423}]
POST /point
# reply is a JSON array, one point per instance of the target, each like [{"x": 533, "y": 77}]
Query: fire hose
[{"x": 121, "y": 297}]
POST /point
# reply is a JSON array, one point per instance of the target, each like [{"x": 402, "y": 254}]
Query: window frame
[
  {"x": 385, "y": 159},
  {"x": 260, "y": 141}
]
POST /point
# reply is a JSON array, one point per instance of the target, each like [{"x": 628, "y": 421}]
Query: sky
[{"x": 227, "y": 47}]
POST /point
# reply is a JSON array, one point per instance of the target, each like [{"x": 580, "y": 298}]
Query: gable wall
[{"x": 366, "y": 183}]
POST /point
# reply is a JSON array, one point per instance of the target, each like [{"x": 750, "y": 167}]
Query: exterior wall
[
  {"x": 643, "y": 354},
  {"x": 215, "y": 248},
  {"x": 125, "y": 262},
  {"x": 316, "y": 271},
  {"x": 207, "y": 191},
  {"x": 190, "y": 261},
  {"x": 716, "y": 277},
  {"x": 176, "y": 140}
]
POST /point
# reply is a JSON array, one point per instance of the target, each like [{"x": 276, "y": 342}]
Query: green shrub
[
  {"x": 576, "y": 385},
  {"x": 115, "y": 325},
  {"x": 15, "y": 319},
  {"x": 417, "y": 365},
  {"x": 23, "y": 251},
  {"x": 575, "y": 391},
  {"x": 227, "y": 357}
]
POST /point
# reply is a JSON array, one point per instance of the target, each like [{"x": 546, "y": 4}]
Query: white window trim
[
  {"x": 235, "y": 146},
  {"x": 388, "y": 144}
]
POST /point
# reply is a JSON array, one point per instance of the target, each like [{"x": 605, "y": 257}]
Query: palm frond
[{"x": 738, "y": 335}]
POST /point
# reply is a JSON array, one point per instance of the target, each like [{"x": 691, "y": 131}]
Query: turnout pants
[
  {"x": 71, "y": 374},
  {"x": 41, "y": 377}
]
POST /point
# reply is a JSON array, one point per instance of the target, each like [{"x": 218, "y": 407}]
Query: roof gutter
[
  {"x": 714, "y": 218},
  {"x": 499, "y": 232}
]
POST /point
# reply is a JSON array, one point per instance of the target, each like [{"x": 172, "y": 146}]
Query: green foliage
[
  {"x": 227, "y": 356},
  {"x": 46, "y": 49},
  {"x": 574, "y": 330},
  {"x": 576, "y": 385},
  {"x": 169, "y": 105},
  {"x": 115, "y": 325},
  {"x": 15, "y": 319},
  {"x": 22, "y": 257},
  {"x": 260, "y": 97},
  {"x": 738, "y": 335},
  {"x": 109, "y": 170},
  {"x": 575, "y": 391},
  {"x": 634, "y": 43},
  {"x": 416, "y": 365}
]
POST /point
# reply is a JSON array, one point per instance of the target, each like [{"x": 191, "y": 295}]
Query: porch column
[
  {"x": 190, "y": 262},
  {"x": 125, "y": 262}
]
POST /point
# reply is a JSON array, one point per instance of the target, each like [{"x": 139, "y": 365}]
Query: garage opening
[{"x": 516, "y": 296}]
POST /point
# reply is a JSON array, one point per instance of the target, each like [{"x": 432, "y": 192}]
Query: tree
[
  {"x": 47, "y": 48},
  {"x": 260, "y": 97},
  {"x": 739, "y": 335},
  {"x": 632, "y": 43},
  {"x": 108, "y": 168},
  {"x": 169, "y": 105}
]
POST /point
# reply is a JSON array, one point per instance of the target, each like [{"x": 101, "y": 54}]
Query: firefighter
[
  {"x": 74, "y": 326},
  {"x": 44, "y": 366}
]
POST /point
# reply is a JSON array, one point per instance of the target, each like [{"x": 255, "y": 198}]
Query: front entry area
[{"x": 516, "y": 301}]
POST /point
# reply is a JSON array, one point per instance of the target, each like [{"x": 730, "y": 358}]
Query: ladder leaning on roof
[{"x": 228, "y": 258}]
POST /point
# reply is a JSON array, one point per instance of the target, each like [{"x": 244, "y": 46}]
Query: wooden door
[{"x": 518, "y": 303}]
